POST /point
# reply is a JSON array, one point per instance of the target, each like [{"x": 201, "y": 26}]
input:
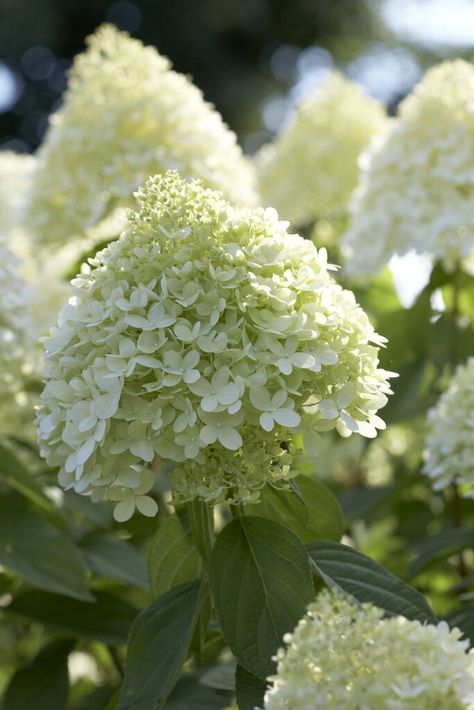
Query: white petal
[
  {"x": 147, "y": 506},
  {"x": 328, "y": 409},
  {"x": 260, "y": 398},
  {"x": 287, "y": 418},
  {"x": 266, "y": 421},
  {"x": 143, "y": 449},
  {"x": 105, "y": 405},
  {"x": 208, "y": 434},
  {"x": 230, "y": 438},
  {"x": 228, "y": 394},
  {"x": 124, "y": 510}
]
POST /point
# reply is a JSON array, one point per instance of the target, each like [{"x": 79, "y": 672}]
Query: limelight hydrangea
[
  {"x": 449, "y": 448},
  {"x": 127, "y": 115},
  {"x": 417, "y": 182},
  {"x": 14, "y": 355},
  {"x": 342, "y": 656},
  {"x": 15, "y": 175},
  {"x": 310, "y": 171},
  {"x": 205, "y": 336}
]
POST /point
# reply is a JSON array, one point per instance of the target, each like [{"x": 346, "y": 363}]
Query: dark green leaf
[
  {"x": 43, "y": 683},
  {"x": 367, "y": 581},
  {"x": 249, "y": 690},
  {"x": 190, "y": 694},
  {"x": 99, "y": 513},
  {"x": 40, "y": 553},
  {"x": 220, "y": 677},
  {"x": 312, "y": 512},
  {"x": 18, "y": 476},
  {"x": 441, "y": 546},
  {"x": 110, "y": 557},
  {"x": 108, "y": 619},
  {"x": 173, "y": 558},
  {"x": 157, "y": 648},
  {"x": 260, "y": 580},
  {"x": 96, "y": 700}
]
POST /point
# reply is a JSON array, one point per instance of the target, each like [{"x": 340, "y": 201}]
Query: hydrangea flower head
[
  {"x": 15, "y": 175},
  {"x": 417, "y": 181},
  {"x": 206, "y": 335},
  {"x": 127, "y": 115},
  {"x": 345, "y": 656},
  {"x": 14, "y": 351},
  {"x": 449, "y": 447},
  {"x": 310, "y": 171}
]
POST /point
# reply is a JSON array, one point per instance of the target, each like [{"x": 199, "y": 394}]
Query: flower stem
[
  {"x": 202, "y": 527},
  {"x": 457, "y": 508}
]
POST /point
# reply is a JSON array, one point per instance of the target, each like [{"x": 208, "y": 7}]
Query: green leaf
[
  {"x": 19, "y": 478},
  {"x": 312, "y": 512},
  {"x": 110, "y": 557},
  {"x": 441, "y": 546},
  {"x": 99, "y": 513},
  {"x": 249, "y": 689},
  {"x": 220, "y": 677},
  {"x": 260, "y": 580},
  {"x": 190, "y": 694},
  {"x": 342, "y": 567},
  {"x": 463, "y": 618},
  {"x": 40, "y": 553},
  {"x": 43, "y": 683},
  {"x": 173, "y": 558},
  {"x": 108, "y": 619},
  {"x": 157, "y": 648}
]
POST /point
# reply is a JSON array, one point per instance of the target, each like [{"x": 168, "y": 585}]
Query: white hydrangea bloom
[
  {"x": 310, "y": 170},
  {"x": 417, "y": 182},
  {"x": 127, "y": 115},
  {"x": 16, "y": 408},
  {"x": 15, "y": 175},
  {"x": 206, "y": 335},
  {"x": 449, "y": 447},
  {"x": 343, "y": 656}
]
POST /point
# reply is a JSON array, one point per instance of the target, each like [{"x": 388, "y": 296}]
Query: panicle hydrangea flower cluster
[
  {"x": 348, "y": 657},
  {"x": 417, "y": 182},
  {"x": 15, "y": 402},
  {"x": 205, "y": 336},
  {"x": 126, "y": 115},
  {"x": 15, "y": 176},
  {"x": 449, "y": 447},
  {"x": 310, "y": 170}
]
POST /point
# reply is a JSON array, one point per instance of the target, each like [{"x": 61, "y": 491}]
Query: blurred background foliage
[{"x": 251, "y": 58}]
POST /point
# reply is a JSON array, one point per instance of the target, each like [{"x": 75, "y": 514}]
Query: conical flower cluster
[
  {"x": 348, "y": 657},
  {"x": 310, "y": 171},
  {"x": 449, "y": 447},
  {"x": 126, "y": 115},
  {"x": 207, "y": 336},
  {"x": 417, "y": 184}
]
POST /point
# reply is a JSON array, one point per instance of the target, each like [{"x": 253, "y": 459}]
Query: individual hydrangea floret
[
  {"x": 449, "y": 447},
  {"x": 417, "y": 182},
  {"x": 206, "y": 336},
  {"x": 310, "y": 170},
  {"x": 126, "y": 115},
  {"x": 344, "y": 656}
]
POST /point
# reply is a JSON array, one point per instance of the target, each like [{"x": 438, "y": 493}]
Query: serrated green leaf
[
  {"x": 43, "y": 682},
  {"x": 17, "y": 475},
  {"x": 441, "y": 546},
  {"x": 39, "y": 553},
  {"x": 342, "y": 567},
  {"x": 173, "y": 558},
  {"x": 157, "y": 648},
  {"x": 260, "y": 580},
  {"x": 116, "y": 559},
  {"x": 249, "y": 689},
  {"x": 108, "y": 619},
  {"x": 313, "y": 512}
]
